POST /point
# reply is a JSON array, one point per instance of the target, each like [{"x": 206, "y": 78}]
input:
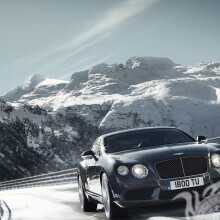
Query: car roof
[{"x": 134, "y": 129}]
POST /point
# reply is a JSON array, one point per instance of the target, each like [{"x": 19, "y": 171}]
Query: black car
[{"x": 144, "y": 166}]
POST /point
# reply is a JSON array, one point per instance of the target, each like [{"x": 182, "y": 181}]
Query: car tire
[
  {"x": 112, "y": 211},
  {"x": 85, "y": 204}
]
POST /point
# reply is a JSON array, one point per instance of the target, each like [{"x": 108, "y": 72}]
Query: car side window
[{"x": 96, "y": 148}]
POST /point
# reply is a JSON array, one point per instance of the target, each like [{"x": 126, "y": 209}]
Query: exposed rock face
[{"x": 33, "y": 141}]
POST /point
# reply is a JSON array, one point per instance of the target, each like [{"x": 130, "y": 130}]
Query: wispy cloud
[
  {"x": 64, "y": 50},
  {"x": 70, "y": 53},
  {"x": 112, "y": 19}
]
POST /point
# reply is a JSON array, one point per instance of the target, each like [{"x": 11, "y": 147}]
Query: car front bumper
[{"x": 139, "y": 196}]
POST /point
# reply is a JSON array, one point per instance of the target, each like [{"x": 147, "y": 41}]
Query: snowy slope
[
  {"x": 34, "y": 141},
  {"x": 55, "y": 120},
  {"x": 146, "y": 91},
  {"x": 27, "y": 87},
  {"x": 100, "y": 82},
  {"x": 35, "y": 87}
]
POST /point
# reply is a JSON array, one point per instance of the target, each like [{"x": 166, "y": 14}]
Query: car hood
[{"x": 165, "y": 152}]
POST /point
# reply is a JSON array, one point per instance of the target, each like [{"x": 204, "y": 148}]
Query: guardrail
[{"x": 56, "y": 178}]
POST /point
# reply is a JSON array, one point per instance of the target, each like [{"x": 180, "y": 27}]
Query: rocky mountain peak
[
  {"x": 55, "y": 120},
  {"x": 146, "y": 62}
]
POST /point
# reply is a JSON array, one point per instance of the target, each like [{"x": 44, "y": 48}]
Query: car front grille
[{"x": 181, "y": 167}]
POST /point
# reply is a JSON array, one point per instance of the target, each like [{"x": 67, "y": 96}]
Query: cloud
[
  {"x": 68, "y": 54},
  {"x": 112, "y": 18},
  {"x": 64, "y": 50}
]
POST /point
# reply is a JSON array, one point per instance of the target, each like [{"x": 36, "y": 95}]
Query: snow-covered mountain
[
  {"x": 36, "y": 86},
  {"x": 62, "y": 118},
  {"x": 146, "y": 91}
]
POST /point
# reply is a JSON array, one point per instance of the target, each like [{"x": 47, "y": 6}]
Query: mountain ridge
[
  {"x": 147, "y": 79},
  {"x": 56, "y": 120}
]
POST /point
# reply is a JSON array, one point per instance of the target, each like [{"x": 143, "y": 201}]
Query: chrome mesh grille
[
  {"x": 180, "y": 167},
  {"x": 194, "y": 165}
]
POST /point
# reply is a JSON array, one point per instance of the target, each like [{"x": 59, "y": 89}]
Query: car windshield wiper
[{"x": 144, "y": 144}]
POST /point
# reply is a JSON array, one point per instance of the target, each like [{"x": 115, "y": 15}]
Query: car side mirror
[
  {"x": 89, "y": 154},
  {"x": 201, "y": 139}
]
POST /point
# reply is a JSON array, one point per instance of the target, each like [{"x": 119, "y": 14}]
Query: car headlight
[
  {"x": 123, "y": 170},
  {"x": 139, "y": 171},
  {"x": 216, "y": 160}
]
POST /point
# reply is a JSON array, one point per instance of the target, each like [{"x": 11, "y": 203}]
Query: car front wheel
[
  {"x": 85, "y": 204},
  {"x": 111, "y": 209}
]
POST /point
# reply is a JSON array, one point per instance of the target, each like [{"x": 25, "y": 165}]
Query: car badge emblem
[{"x": 177, "y": 154}]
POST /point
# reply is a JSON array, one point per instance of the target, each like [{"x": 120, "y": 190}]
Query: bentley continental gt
[{"x": 139, "y": 167}]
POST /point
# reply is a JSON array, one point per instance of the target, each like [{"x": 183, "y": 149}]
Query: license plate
[{"x": 185, "y": 183}]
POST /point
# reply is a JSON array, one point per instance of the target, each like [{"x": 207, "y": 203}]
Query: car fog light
[
  {"x": 123, "y": 170},
  {"x": 139, "y": 171},
  {"x": 216, "y": 160}
]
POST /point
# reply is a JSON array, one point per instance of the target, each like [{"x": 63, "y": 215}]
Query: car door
[{"x": 92, "y": 174}]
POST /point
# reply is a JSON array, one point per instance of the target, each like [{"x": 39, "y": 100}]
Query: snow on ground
[
  {"x": 61, "y": 202},
  {"x": 43, "y": 203}
]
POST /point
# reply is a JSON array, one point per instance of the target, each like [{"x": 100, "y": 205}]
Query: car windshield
[{"x": 144, "y": 138}]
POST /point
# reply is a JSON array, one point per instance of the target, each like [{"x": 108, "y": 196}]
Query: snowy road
[{"x": 61, "y": 203}]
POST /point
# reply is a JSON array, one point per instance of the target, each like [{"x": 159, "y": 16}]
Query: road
[{"x": 61, "y": 203}]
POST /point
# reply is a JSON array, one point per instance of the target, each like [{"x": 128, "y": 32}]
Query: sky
[{"x": 57, "y": 38}]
